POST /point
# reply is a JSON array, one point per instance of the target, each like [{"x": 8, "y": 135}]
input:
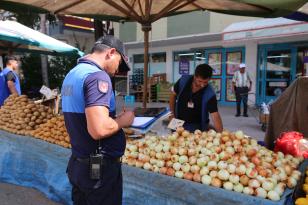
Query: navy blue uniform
[{"x": 84, "y": 86}]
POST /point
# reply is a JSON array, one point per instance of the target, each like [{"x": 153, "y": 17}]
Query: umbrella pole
[{"x": 146, "y": 29}]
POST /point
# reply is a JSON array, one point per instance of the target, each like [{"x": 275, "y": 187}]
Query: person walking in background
[
  {"x": 9, "y": 80},
  {"x": 241, "y": 85}
]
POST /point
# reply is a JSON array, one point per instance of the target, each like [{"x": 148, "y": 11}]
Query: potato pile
[
  {"x": 20, "y": 115},
  {"x": 53, "y": 131}
]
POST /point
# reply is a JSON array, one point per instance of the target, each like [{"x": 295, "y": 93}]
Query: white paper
[{"x": 139, "y": 121}]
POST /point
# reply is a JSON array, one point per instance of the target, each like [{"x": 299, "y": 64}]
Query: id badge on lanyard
[{"x": 190, "y": 103}]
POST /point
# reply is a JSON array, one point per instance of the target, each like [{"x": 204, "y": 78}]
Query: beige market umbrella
[{"x": 148, "y": 11}]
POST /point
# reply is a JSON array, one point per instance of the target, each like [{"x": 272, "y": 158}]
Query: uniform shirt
[
  {"x": 84, "y": 86},
  {"x": 241, "y": 79},
  {"x": 10, "y": 77},
  {"x": 193, "y": 115}
]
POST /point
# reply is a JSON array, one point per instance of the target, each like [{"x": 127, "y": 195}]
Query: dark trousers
[
  {"x": 106, "y": 191},
  {"x": 241, "y": 94}
]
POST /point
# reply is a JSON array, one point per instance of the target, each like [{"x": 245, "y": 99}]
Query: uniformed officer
[
  {"x": 88, "y": 104},
  {"x": 192, "y": 99},
  {"x": 9, "y": 80}
]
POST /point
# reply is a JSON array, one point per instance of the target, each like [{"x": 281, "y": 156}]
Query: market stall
[
  {"x": 171, "y": 168},
  {"x": 34, "y": 163}
]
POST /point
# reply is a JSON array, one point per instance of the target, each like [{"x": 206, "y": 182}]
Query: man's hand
[{"x": 125, "y": 119}]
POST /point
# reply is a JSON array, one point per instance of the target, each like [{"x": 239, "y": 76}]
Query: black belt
[{"x": 104, "y": 160}]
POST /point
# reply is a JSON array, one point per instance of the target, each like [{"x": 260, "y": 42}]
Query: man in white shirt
[{"x": 241, "y": 86}]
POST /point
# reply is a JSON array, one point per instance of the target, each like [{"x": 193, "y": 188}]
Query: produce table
[{"x": 30, "y": 162}]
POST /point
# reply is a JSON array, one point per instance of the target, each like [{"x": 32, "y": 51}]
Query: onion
[
  {"x": 288, "y": 169},
  {"x": 183, "y": 159},
  {"x": 253, "y": 183},
  {"x": 147, "y": 166},
  {"x": 260, "y": 178},
  {"x": 197, "y": 177},
  {"x": 155, "y": 168},
  {"x": 223, "y": 174},
  {"x": 152, "y": 153},
  {"x": 251, "y": 173},
  {"x": 228, "y": 185},
  {"x": 268, "y": 185},
  {"x": 291, "y": 182},
  {"x": 243, "y": 159},
  {"x": 260, "y": 192},
  {"x": 251, "y": 152},
  {"x": 238, "y": 188},
  {"x": 234, "y": 178},
  {"x": 174, "y": 150},
  {"x": 132, "y": 148},
  {"x": 188, "y": 176},
  {"x": 166, "y": 148},
  {"x": 176, "y": 166},
  {"x": 244, "y": 180},
  {"x": 195, "y": 169},
  {"x": 216, "y": 182},
  {"x": 225, "y": 139},
  {"x": 296, "y": 174},
  {"x": 248, "y": 190},
  {"x": 214, "y": 157},
  {"x": 163, "y": 170},
  {"x": 236, "y": 142},
  {"x": 280, "y": 188},
  {"x": 175, "y": 158},
  {"x": 170, "y": 172},
  {"x": 167, "y": 156},
  {"x": 169, "y": 164},
  {"x": 272, "y": 195},
  {"x": 179, "y": 174},
  {"x": 223, "y": 155},
  {"x": 239, "y": 134},
  {"x": 158, "y": 148},
  {"x": 153, "y": 161},
  {"x": 160, "y": 163},
  {"x": 197, "y": 132},
  {"x": 283, "y": 176},
  {"x": 159, "y": 155},
  {"x": 192, "y": 160},
  {"x": 216, "y": 142},
  {"x": 222, "y": 165},
  {"x": 263, "y": 172},
  {"x": 185, "y": 133},
  {"x": 213, "y": 173},
  {"x": 185, "y": 167},
  {"x": 204, "y": 171},
  {"x": 256, "y": 160},
  {"x": 212, "y": 165},
  {"x": 241, "y": 170},
  {"x": 191, "y": 152},
  {"x": 206, "y": 179},
  {"x": 201, "y": 162},
  {"x": 131, "y": 161},
  {"x": 230, "y": 150},
  {"x": 231, "y": 168},
  {"x": 139, "y": 163},
  {"x": 179, "y": 130}
]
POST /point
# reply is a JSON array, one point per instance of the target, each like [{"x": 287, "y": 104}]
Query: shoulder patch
[{"x": 103, "y": 86}]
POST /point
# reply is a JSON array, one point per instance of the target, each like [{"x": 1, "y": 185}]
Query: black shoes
[{"x": 237, "y": 115}]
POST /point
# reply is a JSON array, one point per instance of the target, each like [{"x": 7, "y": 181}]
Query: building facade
[{"x": 274, "y": 50}]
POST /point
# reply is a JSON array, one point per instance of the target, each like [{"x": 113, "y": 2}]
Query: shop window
[
  {"x": 278, "y": 64},
  {"x": 215, "y": 61},
  {"x": 234, "y": 59}
]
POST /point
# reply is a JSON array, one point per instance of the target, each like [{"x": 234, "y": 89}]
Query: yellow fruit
[
  {"x": 306, "y": 180},
  {"x": 301, "y": 201},
  {"x": 305, "y": 188}
]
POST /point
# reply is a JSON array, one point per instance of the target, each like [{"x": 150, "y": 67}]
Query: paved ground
[{"x": 15, "y": 195}]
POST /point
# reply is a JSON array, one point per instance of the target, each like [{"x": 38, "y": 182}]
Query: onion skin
[
  {"x": 197, "y": 177},
  {"x": 216, "y": 182},
  {"x": 188, "y": 176},
  {"x": 170, "y": 172},
  {"x": 244, "y": 180},
  {"x": 163, "y": 170}
]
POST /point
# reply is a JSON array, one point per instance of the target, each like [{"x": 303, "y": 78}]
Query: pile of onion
[{"x": 233, "y": 161}]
